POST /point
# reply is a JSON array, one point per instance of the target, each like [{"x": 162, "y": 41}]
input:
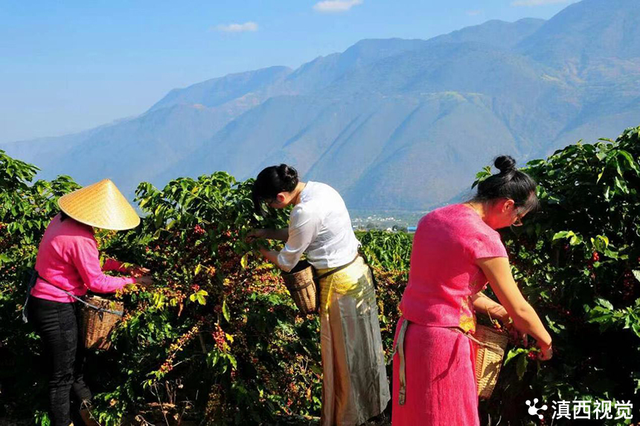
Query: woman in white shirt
[{"x": 355, "y": 386}]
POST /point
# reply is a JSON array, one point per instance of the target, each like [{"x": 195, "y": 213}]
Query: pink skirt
[{"x": 440, "y": 381}]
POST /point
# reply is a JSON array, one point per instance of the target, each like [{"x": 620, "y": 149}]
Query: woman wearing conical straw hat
[{"x": 68, "y": 265}]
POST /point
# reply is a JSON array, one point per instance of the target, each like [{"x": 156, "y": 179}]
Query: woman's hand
[
  {"x": 138, "y": 271},
  {"x": 269, "y": 234},
  {"x": 499, "y": 312},
  {"x": 546, "y": 352},
  {"x": 255, "y": 234},
  {"x": 144, "y": 281},
  {"x": 525, "y": 318},
  {"x": 515, "y": 334},
  {"x": 270, "y": 255}
]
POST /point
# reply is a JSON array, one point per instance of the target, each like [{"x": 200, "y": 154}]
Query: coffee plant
[
  {"x": 217, "y": 340},
  {"x": 26, "y": 207},
  {"x": 578, "y": 263}
]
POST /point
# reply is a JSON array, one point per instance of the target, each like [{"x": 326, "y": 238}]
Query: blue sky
[{"x": 72, "y": 65}]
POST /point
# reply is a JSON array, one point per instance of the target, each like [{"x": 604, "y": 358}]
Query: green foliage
[
  {"x": 575, "y": 261},
  {"x": 218, "y": 332},
  {"x": 26, "y": 207},
  {"x": 388, "y": 250},
  {"x": 218, "y": 339}
]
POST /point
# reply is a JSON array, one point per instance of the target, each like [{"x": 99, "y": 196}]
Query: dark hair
[
  {"x": 270, "y": 182},
  {"x": 63, "y": 216},
  {"x": 509, "y": 183}
]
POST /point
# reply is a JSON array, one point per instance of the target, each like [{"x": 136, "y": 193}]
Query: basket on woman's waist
[
  {"x": 99, "y": 316},
  {"x": 491, "y": 347},
  {"x": 489, "y": 355},
  {"x": 97, "y": 324},
  {"x": 303, "y": 284}
]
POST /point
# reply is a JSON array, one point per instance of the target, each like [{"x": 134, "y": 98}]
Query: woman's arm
[
  {"x": 303, "y": 230},
  {"x": 116, "y": 265},
  {"x": 270, "y": 234},
  {"x": 270, "y": 255},
  {"x": 86, "y": 259},
  {"x": 484, "y": 304},
  {"x": 525, "y": 318},
  {"x": 278, "y": 234}
]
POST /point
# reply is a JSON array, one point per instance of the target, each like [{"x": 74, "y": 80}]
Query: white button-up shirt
[{"x": 319, "y": 226}]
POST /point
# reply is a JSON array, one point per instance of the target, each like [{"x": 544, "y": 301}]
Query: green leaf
[
  {"x": 244, "y": 261},
  {"x": 601, "y": 316},
  {"x": 200, "y": 297},
  {"x": 561, "y": 235},
  {"x": 225, "y": 311},
  {"x": 233, "y": 361},
  {"x": 636, "y": 273},
  {"x": 621, "y": 185},
  {"x": 482, "y": 175},
  {"x": 611, "y": 253},
  {"x": 554, "y": 326},
  {"x": 575, "y": 240},
  {"x": 600, "y": 243},
  {"x": 632, "y": 164},
  {"x": 513, "y": 353},
  {"x": 604, "y": 303},
  {"x": 521, "y": 366},
  {"x": 212, "y": 358}
]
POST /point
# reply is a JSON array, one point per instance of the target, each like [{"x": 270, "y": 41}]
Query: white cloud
[
  {"x": 238, "y": 28},
  {"x": 473, "y": 12},
  {"x": 536, "y": 2},
  {"x": 334, "y": 6}
]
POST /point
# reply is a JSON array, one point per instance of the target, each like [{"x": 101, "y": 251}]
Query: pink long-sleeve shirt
[{"x": 68, "y": 259}]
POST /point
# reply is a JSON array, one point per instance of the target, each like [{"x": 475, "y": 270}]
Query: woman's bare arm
[
  {"x": 271, "y": 234},
  {"x": 486, "y": 305},
  {"x": 525, "y": 318}
]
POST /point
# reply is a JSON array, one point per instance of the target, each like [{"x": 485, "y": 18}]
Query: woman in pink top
[
  {"x": 456, "y": 251},
  {"x": 68, "y": 265}
]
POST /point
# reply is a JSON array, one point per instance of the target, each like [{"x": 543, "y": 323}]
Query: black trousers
[{"x": 58, "y": 326}]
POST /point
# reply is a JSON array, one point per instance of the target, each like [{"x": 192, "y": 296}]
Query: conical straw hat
[{"x": 101, "y": 205}]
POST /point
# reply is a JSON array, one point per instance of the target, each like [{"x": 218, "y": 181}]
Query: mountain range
[{"x": 392, "y": 124}]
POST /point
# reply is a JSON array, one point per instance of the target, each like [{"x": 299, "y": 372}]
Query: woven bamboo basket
[
  {"x": 489, "y": 359},
  {"x": 96, "y": 325},
  {"x": 302, "y": 287}
]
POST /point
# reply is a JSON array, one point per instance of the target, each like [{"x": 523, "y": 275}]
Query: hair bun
[
  {"x": 505, "y": 163},
  {"x": 287, "y": 173}
]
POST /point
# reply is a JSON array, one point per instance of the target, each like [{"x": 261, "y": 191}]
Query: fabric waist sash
[
  {"x": 324, "y": 273},
  {"x": 355, "y": 280}
]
